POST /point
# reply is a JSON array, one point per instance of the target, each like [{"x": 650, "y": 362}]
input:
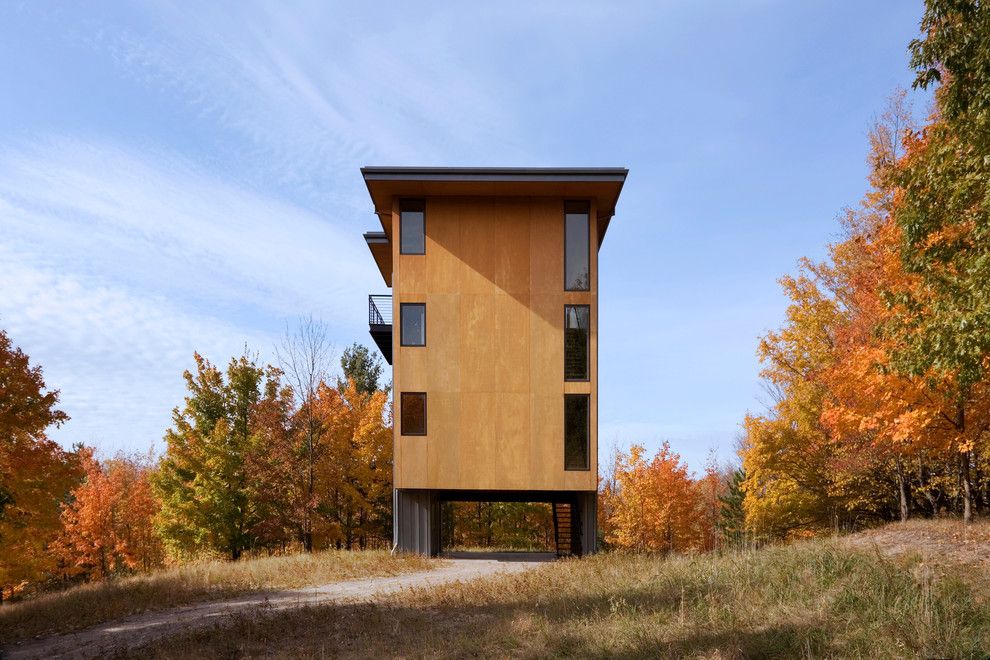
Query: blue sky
[{"x": 180, "y": 177}]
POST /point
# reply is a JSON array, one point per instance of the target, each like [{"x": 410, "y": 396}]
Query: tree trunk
[
  {"x": 310, "y": 488},
  {"x": 967, "y": 487},
  {"x": 903, "y": 489},
  {"x": 923, "y": 482},
  {"x": 964, "y": 476}
]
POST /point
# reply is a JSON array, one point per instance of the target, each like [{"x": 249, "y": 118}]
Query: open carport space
[
  {"x": 502, "y": 557},
  {"x": 514, "y": 525}
]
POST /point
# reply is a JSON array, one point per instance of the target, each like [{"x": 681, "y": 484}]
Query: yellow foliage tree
[
  {"x": 354, "y": 475},
  {"x": 654, "y": 504}
]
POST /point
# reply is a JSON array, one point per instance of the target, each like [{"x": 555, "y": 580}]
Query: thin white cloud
[
  {"x": 116, "y": 358},
  {"x": 158, "y": 222},
  {"x": 318, "y": 90},
  {"x": 116, "y": 266}
]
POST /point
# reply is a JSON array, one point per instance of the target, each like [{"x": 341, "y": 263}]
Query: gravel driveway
[{"x": 133, "y": 631}]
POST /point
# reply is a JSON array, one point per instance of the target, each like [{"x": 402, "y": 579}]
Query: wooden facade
[{"x": 492, "y": 367}]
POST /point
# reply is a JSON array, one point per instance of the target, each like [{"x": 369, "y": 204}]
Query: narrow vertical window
[
  {"x": 576, "y": 431},
  {"x": 577, "y": 340},
  {"x": 412, "y": 324},
  {"x": 577, "y": 275},
  {"x": 413, "y": 413},
  {"x": 412, "y": 226}
]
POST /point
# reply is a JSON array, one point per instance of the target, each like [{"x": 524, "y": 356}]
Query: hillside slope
[
  {"x": 850, "y": 596},
  {"x": 945, "y": 542}
]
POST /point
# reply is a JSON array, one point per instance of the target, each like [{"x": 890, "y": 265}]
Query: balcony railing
[
  {"x": 379, "y": 310},
  {"x": 380, "y": 324}
]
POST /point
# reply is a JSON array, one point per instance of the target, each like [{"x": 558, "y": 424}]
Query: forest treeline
[
  {"x": 261, "y": 459},
  {"x": 257, "y": 459},
  {"x": 878, "y": 378}
]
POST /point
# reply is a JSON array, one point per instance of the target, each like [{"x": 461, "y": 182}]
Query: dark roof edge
[
  {"x": 375, "y": 237},
  {"x": 494, "y": 173}
]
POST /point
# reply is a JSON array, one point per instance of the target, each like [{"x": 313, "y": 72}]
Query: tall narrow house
[{"x": 492, "y": 334}]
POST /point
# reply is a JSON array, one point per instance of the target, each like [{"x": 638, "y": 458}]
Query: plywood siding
[{"x": 492, "y": 279}]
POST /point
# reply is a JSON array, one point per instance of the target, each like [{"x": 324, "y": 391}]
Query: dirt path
[
  {"x": 948, "y": 541},
  {"x": 133, "y": 631}
]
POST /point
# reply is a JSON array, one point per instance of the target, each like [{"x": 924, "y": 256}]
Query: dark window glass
[
  {"x": 576, "y": 435},
  {"x": 577, "y": 320},
  {"x": 413, "y": 413},
  {"x": 412, "y": 319},
  {"x": 577, "y": 275},
  {"x": 412, "y": 227}
]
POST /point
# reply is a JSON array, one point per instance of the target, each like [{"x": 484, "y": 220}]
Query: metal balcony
[{"x": 380, "y": 324}]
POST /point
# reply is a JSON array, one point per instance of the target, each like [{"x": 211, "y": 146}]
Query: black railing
[{"x": 379, "y": 310}]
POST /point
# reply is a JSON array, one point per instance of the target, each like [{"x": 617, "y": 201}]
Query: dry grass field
[
  {"x": 901, "y": 591},
  {"x": 202, "y": 581}
]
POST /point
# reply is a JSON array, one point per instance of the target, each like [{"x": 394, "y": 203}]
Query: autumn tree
[
  {"x": 138, "y": 507},
  {"x": 788, "y": 453},
  {"x": 304, "y": 357},
  {"x": 943, "y": 209},
  {"x": 356, "y": 475},
  {"x": 865, "y": 421},
  {"x": 275, "y": 465},
  {"x": 107, "y": 527},
  {"x": 655, "y": 505},
  {"x": 709, "y": 489},
  {"x": 36, "y": 474},
  {"x": 608, "y": 494},
  {"x": 210, "y": 499},
  {"x": 891, "y": 401}
]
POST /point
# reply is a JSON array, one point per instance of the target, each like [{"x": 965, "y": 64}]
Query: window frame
[
  {"x": 569, "y": 206},
  {"x": 587, "y": 426},
  {"x": 402, "y": 307},
  {"x": 587, "y": 351},
  {"x": 402, "y": 407},
  {"x": 421, "y": 203}
]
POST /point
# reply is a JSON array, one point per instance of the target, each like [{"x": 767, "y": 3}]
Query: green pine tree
[
  {"x": 731, "y": 516},
  {"x": 363, "y": 367}
]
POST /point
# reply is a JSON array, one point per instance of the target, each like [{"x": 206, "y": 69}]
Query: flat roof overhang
[
  {"x": 381, "y": 251},
  {"x": 600, "y": 184}
]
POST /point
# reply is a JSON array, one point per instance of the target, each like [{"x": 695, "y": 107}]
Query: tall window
[
  {"x": 412, "y": 416},
  {"x": 576, "y": 435},
  {"x": 412, "y": 226},
  {"x": 412, "y": 324},
  {"x": 577, "y": 275},
  {"x": 577, "y": 320}
]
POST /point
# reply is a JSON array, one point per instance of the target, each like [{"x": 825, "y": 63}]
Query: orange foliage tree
[
  {"x": 108, "y": 526},
  {"x": 654, "y": 504},
  {"x": 36, "y": 474},
  {"x": 883, "y": 404}
]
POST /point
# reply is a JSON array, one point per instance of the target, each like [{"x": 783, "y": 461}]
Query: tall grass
[
  {"x": 89, "y": 604},
  {"x": 810, "y": 599}
]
